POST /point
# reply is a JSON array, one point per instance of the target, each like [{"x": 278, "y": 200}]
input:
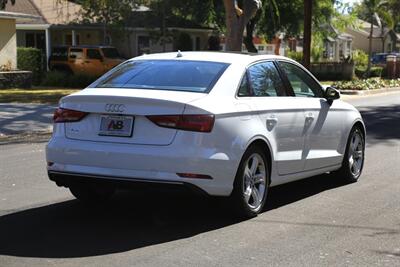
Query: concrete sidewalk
[{"x": 18, "y": 118}]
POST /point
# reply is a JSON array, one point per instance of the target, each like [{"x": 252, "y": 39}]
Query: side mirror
[{"x": 331, "y": 94}]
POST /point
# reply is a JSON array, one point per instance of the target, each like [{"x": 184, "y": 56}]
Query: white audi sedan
[{"x": 227, "y": 124}]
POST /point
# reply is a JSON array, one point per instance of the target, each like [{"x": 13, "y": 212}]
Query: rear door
[
  {"x": 282, "y": 118},
  {"x": 323, "y": 125}
]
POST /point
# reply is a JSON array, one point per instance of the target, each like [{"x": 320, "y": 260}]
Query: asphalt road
[{"x": 314, "y": 222}]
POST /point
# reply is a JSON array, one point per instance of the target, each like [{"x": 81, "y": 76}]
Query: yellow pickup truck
[{"x": 87, "y": 60}]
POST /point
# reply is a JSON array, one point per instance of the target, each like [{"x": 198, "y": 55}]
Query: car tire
[
  {"x": 353, "y": 161},
  {"x": 89, "y": 193},
  {"x": 251, "y": 183}
]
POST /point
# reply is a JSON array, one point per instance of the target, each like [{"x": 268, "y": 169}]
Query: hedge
[
  {"x": 63, "y": 79},
  {"x": 30, "y": 59}
]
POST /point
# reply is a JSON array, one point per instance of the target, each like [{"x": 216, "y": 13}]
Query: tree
[
  {"x": 109, "y": 13},
  {"x": 237, "y": 15},
  {"x": 375, "y": 10},
  {"x": 307, "y": 33},
  {"x": 3, "y": 3}
]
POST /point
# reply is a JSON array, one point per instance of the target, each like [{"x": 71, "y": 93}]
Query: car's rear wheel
[
  {"x": 91, "y": 193},
  {"x": 353, "y": 161},
  {"x": 251, "y": 183}
]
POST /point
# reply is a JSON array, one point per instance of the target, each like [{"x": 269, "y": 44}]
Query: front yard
[{"x": 36, "y": 95}]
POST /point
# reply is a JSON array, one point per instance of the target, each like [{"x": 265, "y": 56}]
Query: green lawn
[{"x": 37, "y": 95}]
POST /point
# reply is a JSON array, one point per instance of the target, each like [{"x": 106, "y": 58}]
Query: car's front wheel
[
  {"x": 91, "y": 193},
  {"x": 251, "y": 183},
  {"x": 353, "y": 161}
]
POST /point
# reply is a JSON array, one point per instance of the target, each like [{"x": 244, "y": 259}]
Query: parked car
[
  {"x": 228, "y": 124},
  {"x": 381, "y": 58},
  {"x": 88, "y": 60}
]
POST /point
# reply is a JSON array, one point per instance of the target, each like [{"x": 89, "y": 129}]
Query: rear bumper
[
  {"x": 139, "y": 163},
  {"x": 69, "y": 179}
]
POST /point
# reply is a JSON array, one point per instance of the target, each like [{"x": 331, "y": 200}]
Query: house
[
  {"x": 59, "y": 23},
  {"x": 337, "y": 45},
  {"x": 276, "y": 46},
  {"x": 8, "y": 38},
  {"x": 384, "y": 40}
]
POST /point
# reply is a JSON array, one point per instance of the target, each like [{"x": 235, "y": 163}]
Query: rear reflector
[
  {"x": 196, "y": 123},
  {"x": 68, "y": 115},
  {"x": 195, "y": 176}
]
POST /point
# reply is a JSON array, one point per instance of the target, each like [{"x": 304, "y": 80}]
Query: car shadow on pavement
[
  {"x": 382, "y": 123},
  {"x": 131, "y": 220}
]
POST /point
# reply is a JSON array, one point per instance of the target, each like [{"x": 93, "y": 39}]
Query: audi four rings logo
[{"x": 116, "y": 108}]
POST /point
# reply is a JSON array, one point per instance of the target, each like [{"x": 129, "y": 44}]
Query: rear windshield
[
  {"x": 110, "y": 52},
  {"x": 175, "y": 75}
]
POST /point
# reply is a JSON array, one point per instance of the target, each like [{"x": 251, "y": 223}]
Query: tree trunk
[
  {"x": 370, "y": 49},
  {"x": 235, "y": 23},
  {"x": 248, "y": 40},
  {"x": 307, "y": 33}
]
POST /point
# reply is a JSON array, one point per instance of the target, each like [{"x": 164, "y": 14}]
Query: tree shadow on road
[
  {"x": 382, "y": 123},
  {"x": 17, "y": 118},
  {"x": 131, "y": 220}
]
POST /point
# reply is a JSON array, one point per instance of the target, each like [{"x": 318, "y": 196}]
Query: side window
[
  {"x": 244, "y": 89},
  {"x": 76, "y": 53},
  {"x": 265, "y": 80},
  {"x": 302, "y": 83},
  {"x": 93, "y": 54}
]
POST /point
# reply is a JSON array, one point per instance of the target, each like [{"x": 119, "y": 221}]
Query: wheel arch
[{"x": 266, "y": 146}]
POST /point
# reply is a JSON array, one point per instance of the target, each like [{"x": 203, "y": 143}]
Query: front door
[{"x": 323, "y": 125}]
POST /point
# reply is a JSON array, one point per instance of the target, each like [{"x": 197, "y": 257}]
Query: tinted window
[
  {"x": 76, "y": 53},
  {"x": 265, "y": 80},
  {"x": 244, "y": 89},
  {"x": 176, "y": 75},
  {"x": 110, "y": 52},
  {"x": 302, "y": 83},
  {"x": 59, "y": 53},
  {"x": 93, "y": 54}
]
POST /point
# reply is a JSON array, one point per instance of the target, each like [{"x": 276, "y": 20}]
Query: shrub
[
  {"x": 30, "y": 59},
  {"x": 367, "y": 84},
  {"x": 298, "y": 56},
  {"x": 63, "y": 79},
  {"x": 375, "y": 72},
  {"x": 360, "y": 59}
]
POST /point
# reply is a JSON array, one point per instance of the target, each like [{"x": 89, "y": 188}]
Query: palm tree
[{"x": 376, "y": 10}]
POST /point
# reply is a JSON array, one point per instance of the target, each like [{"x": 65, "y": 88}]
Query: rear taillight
[
  {"x": 196, "y": 123},
  {"x": 67, "y": 115}
]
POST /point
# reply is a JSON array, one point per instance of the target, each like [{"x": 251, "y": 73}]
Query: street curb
[
  {"x": 30, "y": 137},
  {"x": 370, "y": 92}
]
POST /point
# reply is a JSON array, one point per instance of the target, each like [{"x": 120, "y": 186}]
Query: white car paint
[{"x": 305, "y": 136}]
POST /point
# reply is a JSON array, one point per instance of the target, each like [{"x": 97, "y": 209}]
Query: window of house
[
  {"x": 68, "y": 39},
  {"x": 197, "y": 43},
  {"x": 260, "y": 48},
  {"x": 143, "y": 45}
]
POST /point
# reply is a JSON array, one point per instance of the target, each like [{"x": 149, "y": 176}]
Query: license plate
[{"x": 116, "y": 126}]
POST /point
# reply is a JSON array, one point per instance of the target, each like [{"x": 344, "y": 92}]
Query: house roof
[
  {"x": 19, "y": 16},
  {"x": 48, "y": 11},
  {"x": 364, "y": 28}
]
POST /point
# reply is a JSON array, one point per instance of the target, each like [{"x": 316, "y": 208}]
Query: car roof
[{"x": 223, "y": 57}]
